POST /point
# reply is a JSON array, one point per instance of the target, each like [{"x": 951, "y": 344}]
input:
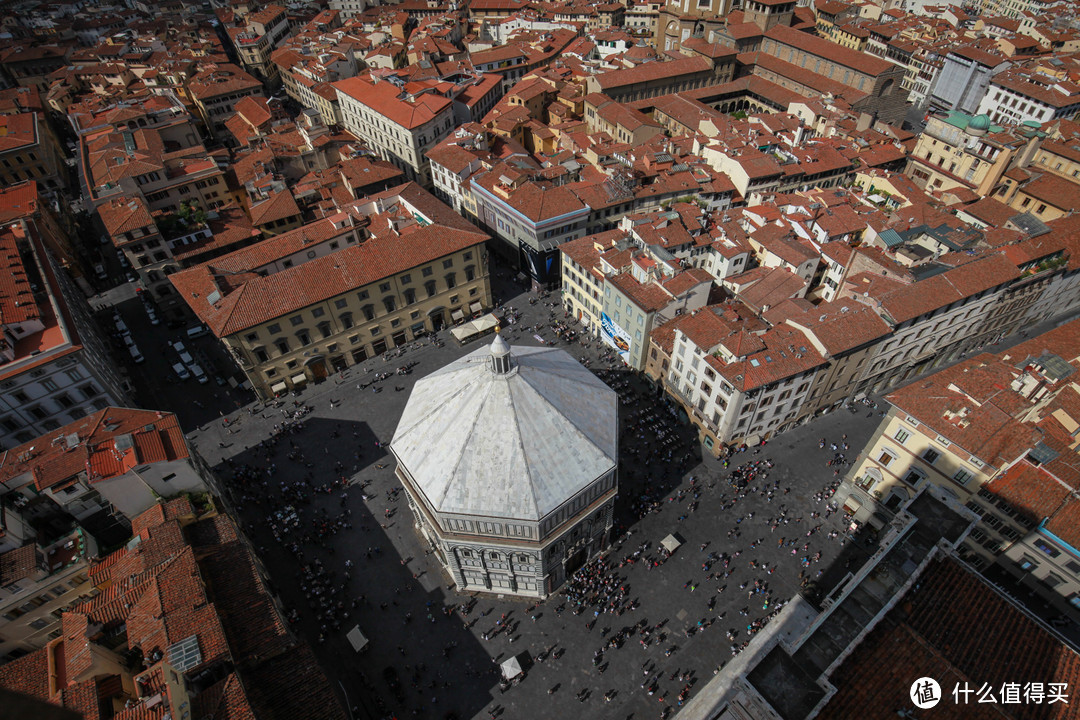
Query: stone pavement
[{"x": 445, "y": 668}]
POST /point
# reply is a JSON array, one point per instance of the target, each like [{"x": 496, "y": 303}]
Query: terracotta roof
[
  {"x": 967, "y": 405},
  {"x": 838, "y": 326},
  {"x": 653, "y": 71},
  {"x": 1017, "y": 82},
  {"x": 28, "y": 675},
  {"x": 991, "y": 211},
  {"x": 859, "y": 61},
  {"x": 154, "y": 437},
  {"x": 220, "y": 80},
  {"x": 649, "y": 297},
  {"x": 17, "y": 131},
  {"x": 254, "y": 111},
  {"x": 903, "y": 301},
  {"x": 17, "y": 302},
  {"x": 121, "y": 215},
  {"x": 774, "y": 355},
  {"x": 248, "y": 299},
  {"x": 1031, "y": 490},
  {"x": 953, "y": 627},
  {"x": 277, "y": 206},
  {"x": 389, "y": 101},
  {"x": 1053, "y": 190},
  {"x": 761, "y": 287},
  {"x": 18, "y": 201},
  {"x": 17, "y": 564}
]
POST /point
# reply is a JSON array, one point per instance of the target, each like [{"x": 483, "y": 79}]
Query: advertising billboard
[{"x": 615, "y": 336}]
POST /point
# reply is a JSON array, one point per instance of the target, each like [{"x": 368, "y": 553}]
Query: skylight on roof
[{"x": 185, "y": 654}]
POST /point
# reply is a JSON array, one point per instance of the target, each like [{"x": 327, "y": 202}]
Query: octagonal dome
[{"x": 507, "y": 432}]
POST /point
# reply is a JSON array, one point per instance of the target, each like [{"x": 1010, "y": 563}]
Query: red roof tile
[
  {"x": 953, "y": 627},
  {"x": 389, "y": 101},
  {"x": 249, "y": 299}
]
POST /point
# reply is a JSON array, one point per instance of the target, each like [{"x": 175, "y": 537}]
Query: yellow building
[
  {"x": 959, "y": 150},
  {"x": 319, "y": 299}
]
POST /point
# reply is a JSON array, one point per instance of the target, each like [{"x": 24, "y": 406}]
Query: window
[
  {"x": 274, "y": 329},
  {"x": 296, "y": 320},
  {"x": 1047, "y": 548},
  {"x": 914, "y": 477},
  {"x": 406, "y": 279},
  {"x": 318, "y": 312},
  {"x": 448, "y": 263},
  {"x": 384, "y": 287},
  {"x": 426, "y": 272},
  {"x": 885, "y": 458},
  {"x": 390, "y": 304},
  {"x": 901, "y": 436},
  {"x": 369, "y": 312},
  {"x": 962, "y": 476},
  {"x": 252, "y": 337},
  {"x": 931, "y": 455},
  {"x": 362, "y": 295},
  {"x": 451, "y": 281},
  {"x": 282, "y": 345},
  {"x": 429, "y": 288},
  {"x": 341, "y": 303}
]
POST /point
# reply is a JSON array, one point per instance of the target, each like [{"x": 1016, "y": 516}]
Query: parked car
[
  {"x": 185, "y": 356},
  {"x": 181, "y": 371},
  {"x": 198, "y": 373},
  {"x": 136, "y": 355}
]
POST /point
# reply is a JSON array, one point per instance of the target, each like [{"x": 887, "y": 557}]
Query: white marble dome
[{"x": 507, "y": 432}]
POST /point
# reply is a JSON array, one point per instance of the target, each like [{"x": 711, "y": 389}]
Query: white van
[
  {"x": 181, "y": 371},
  {"x": 197, "y": 331}
]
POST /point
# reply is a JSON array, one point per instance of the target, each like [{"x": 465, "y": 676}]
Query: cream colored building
[
  {"x": 957, "y": 150},
  {"x": 328, "y": 295}
]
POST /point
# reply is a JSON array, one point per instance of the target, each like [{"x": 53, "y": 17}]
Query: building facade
[
  {"x": 399, "y": 126},
  {"x": 366, "y": 288},
  {"x": 55, "y": 366}
]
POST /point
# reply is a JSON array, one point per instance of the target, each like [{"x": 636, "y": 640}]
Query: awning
[
  {"x": 852, "y": 505},
  {"x": 752, "y": 440},
  {"x": 511, "y": 668},
  {"x": 278, "y": 388},
  {"x": 299, "y": 378},
  {"x": 476, "y": 307},
  {"x": 356, "y": 639},
  {"x": 457, "y": 315},
  {"x": 481, "y": 325},
  {"x": 671, "y": 543}
]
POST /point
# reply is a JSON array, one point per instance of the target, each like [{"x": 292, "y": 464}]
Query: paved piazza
[{"x": 346, "y": 554}]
